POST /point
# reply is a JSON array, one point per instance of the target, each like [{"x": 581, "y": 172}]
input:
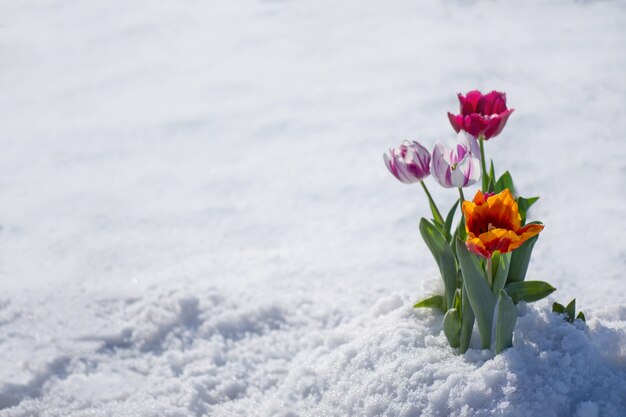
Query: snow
[{"x": 196, "y": 219}]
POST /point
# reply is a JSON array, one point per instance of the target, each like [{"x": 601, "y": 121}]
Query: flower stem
[
  {"x": 462, "y": 195},
  {"x": 483, "y": 164},
  {"x": 433, "y": 206},
  {"x": 489, "y": 272}
]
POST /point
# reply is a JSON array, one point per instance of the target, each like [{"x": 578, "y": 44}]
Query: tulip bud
[
  {"x": 459, "y": 166},
  {"x": 409, "y": 163}
]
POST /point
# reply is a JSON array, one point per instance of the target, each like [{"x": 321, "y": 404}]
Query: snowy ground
[{"x": 196, "y": 220}]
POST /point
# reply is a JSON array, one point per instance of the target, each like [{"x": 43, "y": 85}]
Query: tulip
[
  {"x": 493, "y": 223},
  {"x": 459, "y": 166},
  {"x": 482, "y": 116},
  {"x": 409, "y": 163}
]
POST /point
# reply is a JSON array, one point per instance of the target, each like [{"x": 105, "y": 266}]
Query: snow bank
[{"x": 177, "y": 354}]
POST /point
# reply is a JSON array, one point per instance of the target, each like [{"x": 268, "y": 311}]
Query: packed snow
[{"x": 196, "y": 219}]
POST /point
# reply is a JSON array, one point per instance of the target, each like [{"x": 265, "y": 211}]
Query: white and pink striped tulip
[
  {"x": 459, "y": 166},
  {"x": 409, "y": 163}
]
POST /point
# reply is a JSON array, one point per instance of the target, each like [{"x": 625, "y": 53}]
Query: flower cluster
[{"x": 483, "y": 261}]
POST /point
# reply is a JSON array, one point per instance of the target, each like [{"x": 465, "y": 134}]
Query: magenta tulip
[
  {"x": 409, "y": 163},
  {"x": 482, "y": 116}
]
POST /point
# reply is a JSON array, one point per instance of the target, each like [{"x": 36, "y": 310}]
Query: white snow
[{"x": 196, "y": 219}]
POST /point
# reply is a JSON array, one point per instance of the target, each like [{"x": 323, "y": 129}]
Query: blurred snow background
[{"x": 196, "y": 220}]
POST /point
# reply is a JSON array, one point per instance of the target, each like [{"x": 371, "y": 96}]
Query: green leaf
[
  {"x": 520, "y": 258},
  {"x": 478, "y": 292},
  {"x": 570, "y": 310},
  {"x": 436, "y": 301},
  {"x": 437, "y": 220},
  {"x": 448, "y": 225},
  {"x": 528, "y": 291},
  {"x": 524, "y": 204},
  {"x": 452, "y": 327},
  {"x": 443, "y": 256},
  {"x": 504, "y": 322},
  {"x": 491, "y": 184},
  {"x": 501, "y": 264},
  {"x": 581, "y": 316},
  {"x": 457, "y": 300},
  {"x": 467, "y": 321},
  {"x": 558, "y": 308},
  {"x": 505, "y": 181}
]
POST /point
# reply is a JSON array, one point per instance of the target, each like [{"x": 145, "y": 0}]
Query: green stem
[
  {"x": 433, "y": 206},
  {"x": 489, "y": 272},
  {"x": 462, "y": 195},
  {"x": 483, "y": 164}
]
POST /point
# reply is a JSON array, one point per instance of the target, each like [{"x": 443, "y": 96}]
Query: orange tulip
[{"x": 493, "y": 223}]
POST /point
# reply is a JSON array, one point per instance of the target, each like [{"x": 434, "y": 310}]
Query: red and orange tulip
[{"x": 493, "y": 223}]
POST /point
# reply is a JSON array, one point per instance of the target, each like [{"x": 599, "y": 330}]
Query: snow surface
[{"x": 196, "y": 219}]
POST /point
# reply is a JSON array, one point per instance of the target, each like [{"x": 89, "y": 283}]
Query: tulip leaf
[
  {"x": 443, "y": 256},
  {"x": 478, "y": 292},
  {"x": 523, "y": 205},
  {"x": 520, "y": 258},
  {"x": 436, "y": 301},
  {"x": 492, "y": 178},
  {"x": 448, "y": 224},
  {"x": 505, "y": 181},
  {"x": 528, "y": 291},
  {"x": 570, "y": 310},
  {"x": 505, "y": 316},
  {"x": 457, "y": 300},
  {"x": 452, "y": 327},
  {"x": 467, "y": 321},
  {"x": 558, "y": 308},
  {"x": 437, "y": 220},
  {"x": 501, "y": 264}
]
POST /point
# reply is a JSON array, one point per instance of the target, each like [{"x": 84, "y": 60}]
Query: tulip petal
[
  {"x": 491, "y": 103},
  {"x": 474, "y": 124},
  {"x": 456, "y": 121},
  {"x": 469, "y": 102},
  {"x": 496, "y": 124}
]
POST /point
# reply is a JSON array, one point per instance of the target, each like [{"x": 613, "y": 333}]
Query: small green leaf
[
  {"x": 437, "y": 220},
  {"x": 478, "y": 292},
  {"x": 448, "y": 225},
  {"x": 501, "y": 265},
  {"x": 520, "y": 258},
  {"x": 452, "y": 327},
  {"x": 581, "y": 316},
  {"x": 491, "y": 184},
  {"x": 528, "y": 291},
  {"x": 570, "y": 310},
  {"x": 436, "y": 301},
  {"x": 467, "y": 321},
  {"x": 457, "y": 300},
  {"x": 504, "y": 182},
  {"x": 443, "y": 256},
  {"x": 558, "y": 308},
  {"x": 524, "y": 204},
  {"x": 504, "y": 322},
  {"x": 459, "y": 233},
  {"x": 461, "y": 230}
]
